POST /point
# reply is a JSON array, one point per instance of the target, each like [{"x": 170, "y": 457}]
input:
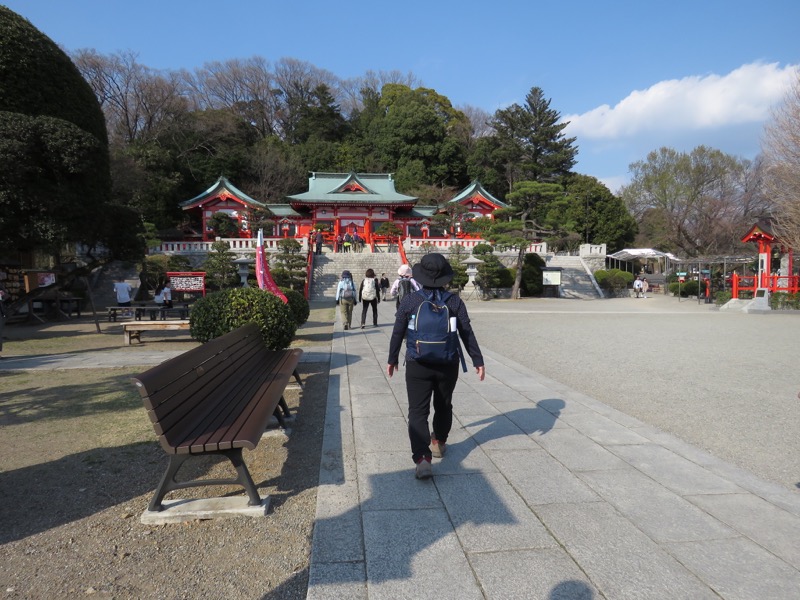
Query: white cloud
[{"x": 694, "y": 103}]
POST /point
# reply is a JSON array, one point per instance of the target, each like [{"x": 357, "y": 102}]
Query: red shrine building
[{"x": 336, "y": 203}]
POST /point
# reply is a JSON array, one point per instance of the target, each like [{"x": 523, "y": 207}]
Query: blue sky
[{"x": 630, "y": 76}]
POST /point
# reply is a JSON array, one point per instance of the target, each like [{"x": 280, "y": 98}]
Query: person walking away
[
  {"x": 346, "y": 297},
  {"x": 358, "y": 242},
  {"x": 645, "y": 287},
  {"x": 166, "y": 295},
  {"x": 348, "y": 241},
  {"x": 368, "y": 296},
  {"x": 159, "y": 296},
  {"x": 428, "y": 377},
  {"x": 384, "y": 286},
  {"x": 123, "y": 291},
  {"x": 319, "y": 239},
  {"x": 339, "y": 241},
  {"x": 637, "y": 287},
  {"x": 403, "y": 285}
]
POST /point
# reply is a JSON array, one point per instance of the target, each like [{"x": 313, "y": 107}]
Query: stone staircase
[
  {"x": 328, "y": 269},
  {"x": 575, "y": 281}
]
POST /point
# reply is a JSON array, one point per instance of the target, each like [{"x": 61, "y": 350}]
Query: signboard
[
  {"x": 188, "y": 282},
  {"x": 551, "y": 277}
]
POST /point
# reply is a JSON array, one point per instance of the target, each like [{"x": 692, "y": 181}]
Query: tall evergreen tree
[{"x": 531, "y": 145}]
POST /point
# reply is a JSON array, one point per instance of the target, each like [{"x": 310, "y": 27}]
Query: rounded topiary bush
[
  {"x": 613, "y": 279},
  {"x": 298, "y": 305},
  {"x": 226, "y": 310}
]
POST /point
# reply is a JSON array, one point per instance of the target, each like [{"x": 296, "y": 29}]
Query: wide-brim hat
[{"x": 433, "y": 271}]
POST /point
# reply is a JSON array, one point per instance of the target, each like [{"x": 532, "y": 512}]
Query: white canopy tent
[{"x": 645, "y": 254}]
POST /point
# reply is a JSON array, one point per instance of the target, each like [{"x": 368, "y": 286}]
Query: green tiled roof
[
  {"x": 283, "y": 210},
  {"x": 221, "y": 185},
  {"x": 475, "y": 188},
  {"x": 368, "y": 188}
]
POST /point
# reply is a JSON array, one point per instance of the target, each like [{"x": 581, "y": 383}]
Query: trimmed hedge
[
  {"x": 613, "y": 279},
  {"x": 221, "y": 312},
  {"x": 298, "y": 305}
]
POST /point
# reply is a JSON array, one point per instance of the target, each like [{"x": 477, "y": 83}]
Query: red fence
[{"x": 774, "y": 283}]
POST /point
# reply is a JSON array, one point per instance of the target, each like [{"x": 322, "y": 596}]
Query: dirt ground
[{"x": 81, "y": 461}]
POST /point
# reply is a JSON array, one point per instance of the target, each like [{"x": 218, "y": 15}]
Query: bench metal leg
[
  {"x": 296, "y": 376},
  {"x": 168, "y": 483}
]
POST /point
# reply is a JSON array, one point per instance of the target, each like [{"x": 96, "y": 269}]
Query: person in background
[
  {"x": 167, "y": 295},
  {"x": 319, "y": 238},
  {"x": 645, "y": 287},
  {"x": 369, "y": 295},
  {"x": 404, "y": 284},
  {"x": 425, "y": 380},
  {"x": 637, "y": 287},
  {"x": 159, "y": 295},
  {"x": 384, "y": 286},
  {"x": 346, "y": 297}
]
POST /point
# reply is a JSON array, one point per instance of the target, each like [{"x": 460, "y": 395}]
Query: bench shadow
[{"x": 76, "y": 486}]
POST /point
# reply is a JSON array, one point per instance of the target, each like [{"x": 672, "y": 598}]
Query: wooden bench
[
  {"x": 133, "y": 329},
  {"x": 156, "y": 312},
  {"x": 115, "y": 311},
  {"x": 216, "y": 399}
]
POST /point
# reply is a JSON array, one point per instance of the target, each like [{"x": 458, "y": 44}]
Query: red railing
[
  {"x": 309, "y": 272},
  {"x": 774, "y": 283}
]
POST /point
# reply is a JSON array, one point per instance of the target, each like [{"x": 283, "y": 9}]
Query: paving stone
[
  {"x": 549, "y": 574},
  {"x": 489, "y": 515},
  {"x": 415, "y": 553},
  {"x": 739, "y": 569},
  {"x": 540, "y": 479},
  {"x": 337, "y": 581},
  {"x": 673, "y": 471},
  {"x": 497, "y": 432},
  {"x": 660, "y": 513},
  {"x": 375, "y": 405},
  {"x": 386, "y": 481},
  {"x": 619, "y": 559},
  {"x": 380, "y": 434},
  {"x": 773, "y": 528},
  {"x": 602, "y": 429},
  {"x": 576, "y": 451}
]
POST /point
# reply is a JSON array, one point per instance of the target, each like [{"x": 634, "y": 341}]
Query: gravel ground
[
  {"x": 70, "y": 518},
  {"x": 722, "y": 381}
]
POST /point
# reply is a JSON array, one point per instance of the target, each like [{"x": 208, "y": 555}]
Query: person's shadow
[{"x": 529, "y": 420}]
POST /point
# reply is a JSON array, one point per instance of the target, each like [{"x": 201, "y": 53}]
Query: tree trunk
[{"x": 518, "y": 278}]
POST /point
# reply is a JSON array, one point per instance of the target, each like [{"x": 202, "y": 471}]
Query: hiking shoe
[
  {"x": 362, "y": 326},
  {"x": 423, "y": 469},
  {"x": 346, "y": 326},
  {"x": 437, "y": 448}
]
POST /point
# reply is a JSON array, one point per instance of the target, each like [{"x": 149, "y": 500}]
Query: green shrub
[
  {"x": 531, "y": 284},
  {"x": 722, "y": 298},
  {"x": 613, "y": 279},
  {"x": 687, "y": 288},
  {"x": 784, "y": 301},
  {"x": 505, "y": 277},
  {"x": 221, "y": 312},
  {"x": 298, "y": 305}
]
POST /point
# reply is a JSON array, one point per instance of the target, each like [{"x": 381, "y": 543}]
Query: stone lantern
[
  {"x": 472, "y": 267},
  {"x": 243, "y": 264}
]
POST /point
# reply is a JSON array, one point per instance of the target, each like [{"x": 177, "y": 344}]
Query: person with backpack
[
  {"x": 432, "y": 320},
  {"x": 384, "y": 286},
  {"x": 404, "y": 285},
  {"x": 368, "y": 294},
  {"x": 346, "y": 297}
]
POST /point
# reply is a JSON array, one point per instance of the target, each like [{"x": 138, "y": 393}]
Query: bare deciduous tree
[
  {"x": 781, "y": 148},
  {"x": 136, "y": 100}
]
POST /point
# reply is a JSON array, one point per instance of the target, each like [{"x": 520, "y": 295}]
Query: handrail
[
  {"x": 309, "y": 272},
  {"x": 402, "y": 251}
]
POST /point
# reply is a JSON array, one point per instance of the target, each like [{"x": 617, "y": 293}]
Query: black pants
[
  {"x": 422, "y": 382},
  {"x": 364, "y": 305}
]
